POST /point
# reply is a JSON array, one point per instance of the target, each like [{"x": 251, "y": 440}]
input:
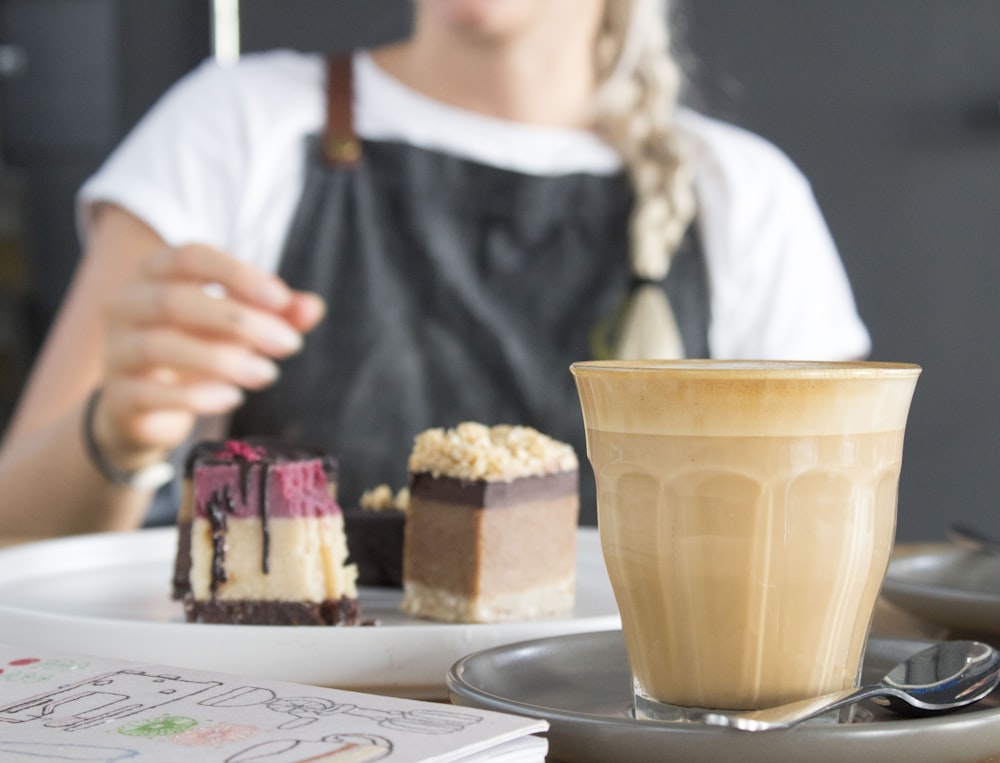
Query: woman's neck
[{"x": 527, "y": 78}]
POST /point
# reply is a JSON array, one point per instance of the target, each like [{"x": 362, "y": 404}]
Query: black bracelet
[{"x": 148, "y": 478}]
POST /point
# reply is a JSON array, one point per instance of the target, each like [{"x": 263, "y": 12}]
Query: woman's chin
[{"x": 484, "y": 17}]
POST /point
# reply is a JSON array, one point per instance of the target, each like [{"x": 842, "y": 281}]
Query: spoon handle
[{"x": 783, "y": 716}]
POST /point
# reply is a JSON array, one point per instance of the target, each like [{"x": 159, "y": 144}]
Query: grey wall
[
  {"x": 892, "y": 108},
  {"x": 93, "y": 68},
  {"x": 322, "y": 24}
]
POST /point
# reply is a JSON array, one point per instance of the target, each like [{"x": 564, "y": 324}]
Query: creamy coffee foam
[{"x": 696, "y": 397}]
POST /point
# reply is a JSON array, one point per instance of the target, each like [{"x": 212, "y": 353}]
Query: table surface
[{"x": 889, "y": 621}]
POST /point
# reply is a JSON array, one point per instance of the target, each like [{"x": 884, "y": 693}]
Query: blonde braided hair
[{"x": 640, "y": 84}]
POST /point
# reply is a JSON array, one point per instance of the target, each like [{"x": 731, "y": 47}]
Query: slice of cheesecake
[{"x": 267, "y": 542}]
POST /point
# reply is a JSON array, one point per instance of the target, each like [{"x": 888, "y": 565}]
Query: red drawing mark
[
  {"x": 215, "y": 736},
  {"x": 25, "y": 661}
]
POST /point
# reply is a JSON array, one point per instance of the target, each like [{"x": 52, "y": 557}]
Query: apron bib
[{"x": 456, "y": 292}]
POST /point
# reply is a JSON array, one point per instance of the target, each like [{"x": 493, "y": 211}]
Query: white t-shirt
[{"x": 221, "y": 158}]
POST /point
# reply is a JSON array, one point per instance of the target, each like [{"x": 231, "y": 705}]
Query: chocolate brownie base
[
  {"x": 342, "y": 611},
  {"x": 375, "y": 542}
]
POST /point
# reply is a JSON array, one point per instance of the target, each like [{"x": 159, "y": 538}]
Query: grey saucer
[
  {"x": 954, "y": 587},
  {"x": 580, "y": 685}
]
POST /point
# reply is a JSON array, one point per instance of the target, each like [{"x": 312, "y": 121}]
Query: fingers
[
  {"x": 205, "y": 265},
  {"x": 142, "y": 395},
  {"x": 188, "y": 356},
  {"x": 193, "y": 330},
  {"x": 186, "y": 306},
  {"x": 305, "y": 311},
  {"x": 138, "y": 415},
  {"x": 210, "y": 294}
]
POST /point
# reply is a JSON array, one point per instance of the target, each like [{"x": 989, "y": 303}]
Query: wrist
[{"x": 145, "y": 477}]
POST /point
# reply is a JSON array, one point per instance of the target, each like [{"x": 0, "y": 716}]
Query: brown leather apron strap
[{"x": 341, "y": 145}]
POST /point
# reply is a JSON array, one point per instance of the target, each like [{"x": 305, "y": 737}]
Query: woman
[{"x": 526, "y": 194}]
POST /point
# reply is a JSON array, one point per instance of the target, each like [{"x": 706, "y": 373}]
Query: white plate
[
  {"x": 580, "y": 685},
  {"x": 109, "y": 595},
  {"x": 955, "y": 588}
]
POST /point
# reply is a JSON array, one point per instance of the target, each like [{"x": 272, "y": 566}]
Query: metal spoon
[{"x": 943, "y": 677}]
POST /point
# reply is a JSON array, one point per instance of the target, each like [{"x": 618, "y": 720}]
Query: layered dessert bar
[
  {"x": 375, "y": 536},
  {"x": 204, "y": 452},
  {"x": 267, "y": 542},
  {"x": 491, "y": 527}
]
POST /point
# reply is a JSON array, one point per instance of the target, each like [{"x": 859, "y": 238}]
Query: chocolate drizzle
[
  {"x": 266, "y": 453},
  {"x": 221, "y": 505},
  {"x": 245, "y": 458},
  {"x": 218, "y": 509},
  {"x": 182, "y": 562},
  {"x": 244, "y": 466},
  {"x": 265, "y": 512}
]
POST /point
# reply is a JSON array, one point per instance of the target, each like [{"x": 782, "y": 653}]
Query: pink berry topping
[{"x": 242, "y": 450}]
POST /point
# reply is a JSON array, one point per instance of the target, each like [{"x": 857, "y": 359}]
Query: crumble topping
[
  {"x": 474, "y": 451},
  {"x": 381, "y": 498}
]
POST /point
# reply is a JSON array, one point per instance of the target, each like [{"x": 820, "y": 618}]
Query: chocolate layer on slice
[{"x": 493, "y": 494}]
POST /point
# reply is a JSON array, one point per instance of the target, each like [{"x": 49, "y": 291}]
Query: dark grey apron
[{"x": 456, "y": 292}]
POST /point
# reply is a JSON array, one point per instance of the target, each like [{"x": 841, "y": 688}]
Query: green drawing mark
[
  {"x": 165, "y": 726},
  {"x": 58, "y": 664}
]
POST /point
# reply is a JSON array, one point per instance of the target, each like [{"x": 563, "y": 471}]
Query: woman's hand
[
  {"x": 169, "y": 335},
  {"x": 186, "y": 335}
]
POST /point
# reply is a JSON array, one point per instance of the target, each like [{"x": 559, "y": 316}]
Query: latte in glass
[{"x": 746, "y": 512}]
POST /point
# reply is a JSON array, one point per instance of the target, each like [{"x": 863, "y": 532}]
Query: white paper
[{"x": 95, "y": 710}]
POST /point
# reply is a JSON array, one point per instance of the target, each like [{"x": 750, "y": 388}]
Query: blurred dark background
[{"x": 891, "y": 107}]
